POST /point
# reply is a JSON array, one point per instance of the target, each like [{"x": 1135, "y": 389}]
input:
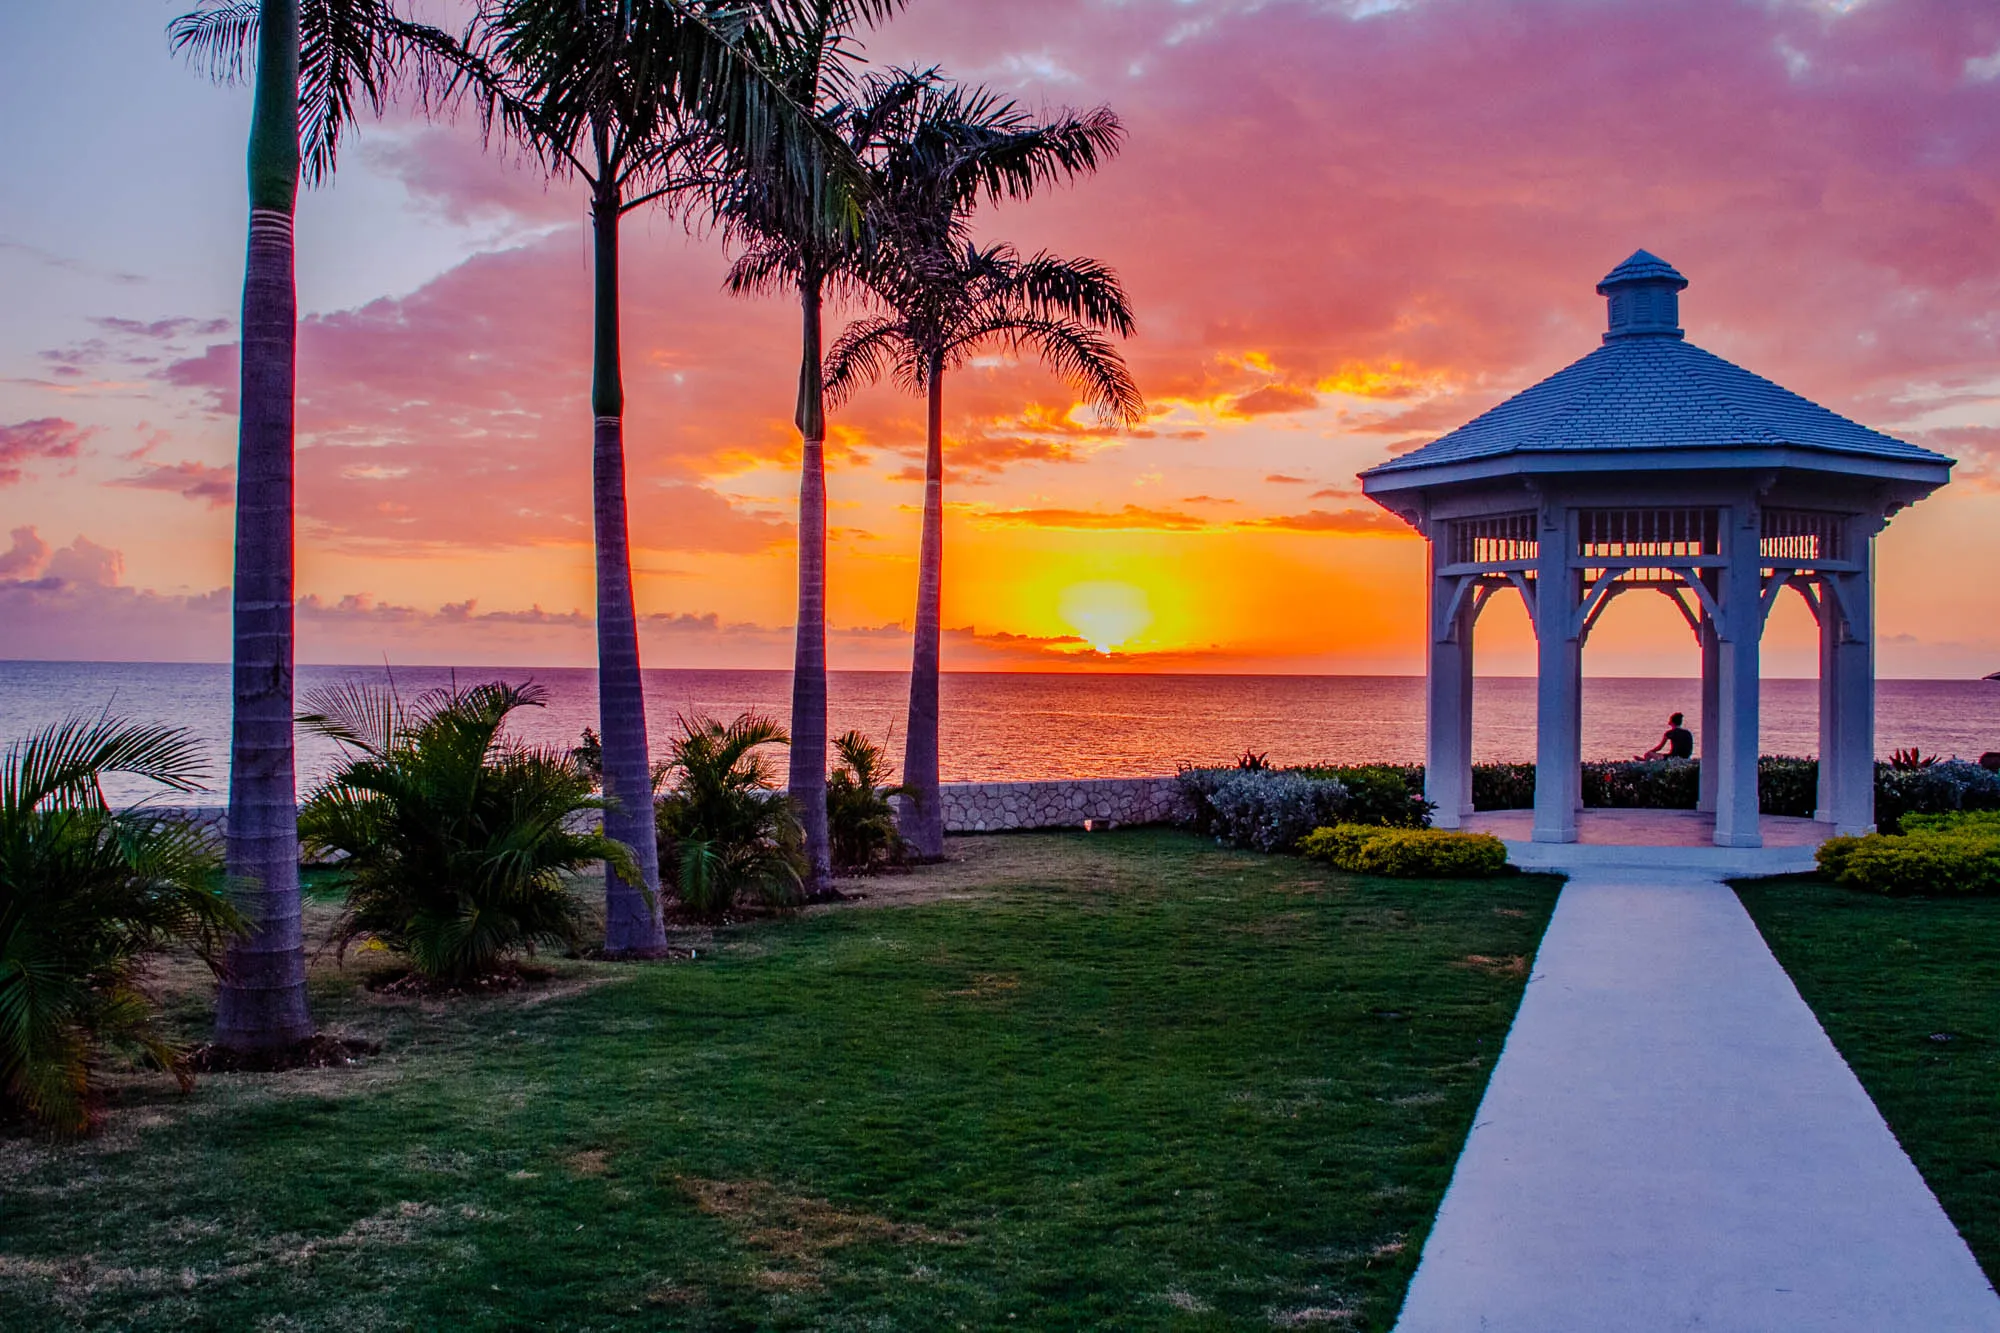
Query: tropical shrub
[
  {"x": 1386, "y": 794},
  {"x": 1788, "y": 786},
  {"x": 1939, "y": 855},
  {"x": 724, "y": 828},
  {"x": 861, "y": 824},
  {"x": 1938, "y": 787},
  {"x": 452, "y": 841},
  {"x": 1407, "y": 852},
  {"x": 87, "y": 895},
  {"x": 1502, "y": 786},
  {"x": 1261, "y": 809},
  {"x": 1642, "y": 784}
]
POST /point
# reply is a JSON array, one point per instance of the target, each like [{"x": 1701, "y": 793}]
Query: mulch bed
[{"x": 319, "y": 1051}]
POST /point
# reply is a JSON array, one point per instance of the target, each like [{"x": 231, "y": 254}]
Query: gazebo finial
[{"x": 1644, "y": 296}]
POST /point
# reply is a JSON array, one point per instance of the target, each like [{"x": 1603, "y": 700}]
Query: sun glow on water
[{"x": 1105, "y": 614}]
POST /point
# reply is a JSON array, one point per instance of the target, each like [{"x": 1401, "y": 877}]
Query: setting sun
[{"x": 1106, "y": 614}]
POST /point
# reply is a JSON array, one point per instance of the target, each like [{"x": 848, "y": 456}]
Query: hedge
[
  {"x": 1424, "y": 853},
  {"x": 1937, "y": 855}
]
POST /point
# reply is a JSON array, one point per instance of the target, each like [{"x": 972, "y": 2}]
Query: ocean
[{"x": 1000, "y": 726}]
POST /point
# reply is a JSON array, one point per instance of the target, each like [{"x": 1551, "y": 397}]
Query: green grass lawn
[
  {"x": 1111, "y": 1080},
  {"x": 1909, "y": 990}
]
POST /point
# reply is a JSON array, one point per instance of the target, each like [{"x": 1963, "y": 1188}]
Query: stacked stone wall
[
  {"x": 997, "y": 807},
  {"x": 993, "y": 807}
]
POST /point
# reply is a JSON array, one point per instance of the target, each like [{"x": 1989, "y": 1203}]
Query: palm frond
[
  {"x": 63, "y": 764},
  {"x": 865, "y": 351},
  {"x": 1077, "y": 354}
]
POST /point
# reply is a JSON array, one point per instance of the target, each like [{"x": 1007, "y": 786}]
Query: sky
[{"x": 1345, "y": 228}]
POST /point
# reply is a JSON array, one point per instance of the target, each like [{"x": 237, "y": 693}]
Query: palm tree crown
[{"x": 944, "y": 296}]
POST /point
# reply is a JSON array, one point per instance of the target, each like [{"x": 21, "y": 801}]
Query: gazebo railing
[
  {"x": 1622, "y": 535},
  {"x": 1794, "y": 536},
  {"x": 1496, "y": 539}
]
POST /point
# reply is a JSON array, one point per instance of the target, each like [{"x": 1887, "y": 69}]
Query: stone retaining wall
[
  {"x": 992, "y": 807},
  {"x": 995, "y": 807}
]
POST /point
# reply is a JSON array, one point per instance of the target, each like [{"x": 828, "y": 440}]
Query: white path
[{"x": 1670, "y": 1141}]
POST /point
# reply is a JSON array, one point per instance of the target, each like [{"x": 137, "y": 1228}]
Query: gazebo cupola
[
  {"x": 1653, "y": 465},
  {"x": 1644, "y": 293}
]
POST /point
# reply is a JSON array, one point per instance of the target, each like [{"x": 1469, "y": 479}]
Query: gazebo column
[
  {"x": 1709, "y": 736},
  {"x": 1448, "y": 701},
  {"x": 1853, "y": 691},
  {"x": 1738, "y": 677},
  {"x": 1559, "y": 682},
  {"x": 1831, "y": 625}
]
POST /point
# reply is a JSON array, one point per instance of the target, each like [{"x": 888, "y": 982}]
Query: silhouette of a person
[{"x": 1677, "y": 743}]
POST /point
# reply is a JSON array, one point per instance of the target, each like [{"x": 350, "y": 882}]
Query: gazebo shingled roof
[{"x": 1647, "y": 388}]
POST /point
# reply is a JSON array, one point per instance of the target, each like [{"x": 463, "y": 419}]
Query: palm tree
[
  {"x": 945, "y": 297},
  {"x": 349, "y": 46},
  {"x": 645, "y": 101},
  {"x": 794, "y": 252}
]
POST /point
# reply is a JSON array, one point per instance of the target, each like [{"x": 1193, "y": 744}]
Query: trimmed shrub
[
  {"x": 1406, "y": 852},
  {"x": 1259, "y": 809},
  {"x": 1937, "y": 855},
  {"x": 1389, "y": 795}
]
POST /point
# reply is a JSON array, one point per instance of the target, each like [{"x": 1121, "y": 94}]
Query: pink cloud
[
  {"x": 31, "y": 441},
  {"x": 190, "y": 480},
  {"x": 26, "y": 556}
]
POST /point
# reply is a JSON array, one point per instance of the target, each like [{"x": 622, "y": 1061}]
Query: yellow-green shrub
[
  {"x": 1428, "y": 853},
  {"x": 1936, "y": 855}
]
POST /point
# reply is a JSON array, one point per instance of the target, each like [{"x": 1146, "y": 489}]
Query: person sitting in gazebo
[{"x": 1677, "y": 743}]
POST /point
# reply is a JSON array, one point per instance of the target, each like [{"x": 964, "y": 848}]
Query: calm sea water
[{"x": 999, "y": 726}]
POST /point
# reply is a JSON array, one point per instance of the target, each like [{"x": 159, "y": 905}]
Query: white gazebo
[{"x": 1651, "y": 464}]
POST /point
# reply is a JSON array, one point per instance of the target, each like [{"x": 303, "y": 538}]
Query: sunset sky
[{"x": 1346, "y": 228}]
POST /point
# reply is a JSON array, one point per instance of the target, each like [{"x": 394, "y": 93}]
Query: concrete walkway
[{"x": 1671, "y": 1142}]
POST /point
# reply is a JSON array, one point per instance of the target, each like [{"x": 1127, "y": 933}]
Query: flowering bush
[
  {"x": 1261, "y": 809},
  {"x": 1941, "y": 787}
]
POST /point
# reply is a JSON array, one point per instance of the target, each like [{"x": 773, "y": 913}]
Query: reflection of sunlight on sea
[{"x": 1028, "y": 726}]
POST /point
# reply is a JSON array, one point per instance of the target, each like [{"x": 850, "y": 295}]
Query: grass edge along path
[
  {"x": 1908, "y": 989},
  {"x": 1124, "y": 1079}
]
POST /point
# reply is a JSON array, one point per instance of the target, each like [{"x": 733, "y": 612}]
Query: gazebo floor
[{"x": 1662, "y": 839}]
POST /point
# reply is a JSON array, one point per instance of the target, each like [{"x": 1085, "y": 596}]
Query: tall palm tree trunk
[
  {"x": 262, "y": 1005},
  {"x": 632, "y": 921},
  {"x": 808, "y": 753},
  {"x": 922, "y": 817}
]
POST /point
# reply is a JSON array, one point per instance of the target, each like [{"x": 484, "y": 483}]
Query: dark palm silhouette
[
  {"x": 797, "y": 253},
  {"x": 945, "y": 297},
  {"x": 312, "y": 65}
]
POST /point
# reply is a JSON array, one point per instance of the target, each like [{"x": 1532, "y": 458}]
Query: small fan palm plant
[
  {"x": 455, "y": 842},
  {"x": 87, "y": 895},
  {"x": 725, "y": 829},
  {"x": 860, "y": 821}
]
